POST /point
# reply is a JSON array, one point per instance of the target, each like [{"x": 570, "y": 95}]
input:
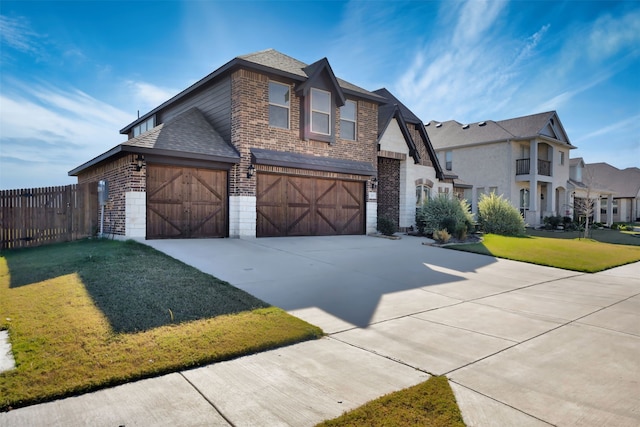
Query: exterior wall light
[
  {"x": 139, "y": 162},
  {"x": 251, "y": 171},
  {"x": 374, "y": 183}
]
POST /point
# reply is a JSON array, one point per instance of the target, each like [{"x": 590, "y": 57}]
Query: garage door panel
[
  {"x": 306, "y": 206},
  {"x": 186, "y": 202}
]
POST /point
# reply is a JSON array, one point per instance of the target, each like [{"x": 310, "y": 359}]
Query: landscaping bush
[
  {"x": 552, "y": 222},
  {"x": 444, "y": 213},
  {"x": 441, "y": 236},
  {"x": 386, "y": 226},
  {"x": 497, "y": 216}
]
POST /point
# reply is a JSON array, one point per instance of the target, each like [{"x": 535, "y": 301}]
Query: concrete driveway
[{"x": 521, "y": 344}]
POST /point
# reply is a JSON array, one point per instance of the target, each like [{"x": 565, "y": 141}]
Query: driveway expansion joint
[
  {"x": 213, "y": 405},
  {"x": 500, "y": 402}
]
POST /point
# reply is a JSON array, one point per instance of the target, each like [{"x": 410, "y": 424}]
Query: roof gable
[
  {"x": 452, "y": 134},
  {"x": 321, "y": 70},
  {"x": 625, "y": 182}
]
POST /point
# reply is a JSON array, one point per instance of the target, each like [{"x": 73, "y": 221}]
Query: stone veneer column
[
  {"x": 135, "y": 214},
  {"x": 372, "y": 217},
  {"x": 242, "y": 216}
]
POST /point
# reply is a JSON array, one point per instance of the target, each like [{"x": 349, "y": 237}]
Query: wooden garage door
[
  {"x": 302, "y": 206},
  {"x": 186, "y": 202}
]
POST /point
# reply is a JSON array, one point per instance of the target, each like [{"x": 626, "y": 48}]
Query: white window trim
[
  {"x": 313, "y": 89},
  {"x": 354, "y": 121},
  {"x": 287, "y": 107}
]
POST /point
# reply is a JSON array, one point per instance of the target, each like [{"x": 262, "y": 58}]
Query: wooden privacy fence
[{"x": 38, "y": 216}]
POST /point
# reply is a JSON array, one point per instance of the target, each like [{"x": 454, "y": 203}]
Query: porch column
[
  {"x": 533, "y": 183},
  {"x": 609, "y": 209},
  {"x": 552, "y": 196},
  {"x": 597, "y": 217}
]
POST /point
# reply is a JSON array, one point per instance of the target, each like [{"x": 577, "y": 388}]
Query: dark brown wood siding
[
  {"x": 214, "y": 102},
  {"x": 186, "y": 202},
  {"x": 308, "y": 206}
]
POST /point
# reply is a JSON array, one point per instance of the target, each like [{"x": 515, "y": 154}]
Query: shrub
[
  {"x": 386, "y": 226},
  {"x": 496, "y": 215},
  {"x": 552, "y": 222},
  {"x": 444, "y": 213},
  {"x": 441, "y": 236}
]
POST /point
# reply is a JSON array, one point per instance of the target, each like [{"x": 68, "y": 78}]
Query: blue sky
[{"x": 74, "y": 73}]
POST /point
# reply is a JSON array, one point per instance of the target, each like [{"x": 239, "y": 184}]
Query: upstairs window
[
  {"x": 320, "y": 112},
  {"x": 448, "y": 159},
  {"x": 348, "y": 114},
  {"x": 144, "y": 126},
  {"x": 278, "y": 105},
  {"x": 562, "y": 157}
]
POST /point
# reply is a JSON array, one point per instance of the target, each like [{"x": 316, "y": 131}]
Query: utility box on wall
[{"x": 103, "y": 192}]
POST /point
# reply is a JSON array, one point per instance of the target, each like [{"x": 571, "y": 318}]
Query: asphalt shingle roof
[
  {"x": 189, "y": 132},
  {"x": 451, "y": 133},
  {"x": 279, "y": 61},
  {"x": 625, "y": 182}
]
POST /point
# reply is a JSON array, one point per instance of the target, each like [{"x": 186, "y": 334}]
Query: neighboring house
[
  {"x": 625, "y": 203},
  {"x": 264, "y": 146},
  {"x": 408, "y": 170},
  {"x": 525, "y": 159},
  {"x": 586, "y": 194}
]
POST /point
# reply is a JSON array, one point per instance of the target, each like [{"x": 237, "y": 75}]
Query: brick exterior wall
[
  {"x": 250, "y": 129},
  {"x": 123, "y": 178},
  {"x": 389, "y": 189},
  {"x": 425, "y": 160}
]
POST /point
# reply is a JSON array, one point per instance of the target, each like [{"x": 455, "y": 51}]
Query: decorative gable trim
[
  {"x": 402, "y": 124},
  {"x": 315, "y": 72}
]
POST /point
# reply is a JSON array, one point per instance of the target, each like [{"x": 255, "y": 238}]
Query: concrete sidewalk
[{"x": 521, "y": 344}]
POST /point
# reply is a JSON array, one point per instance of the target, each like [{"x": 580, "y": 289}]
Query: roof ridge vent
[
  {"x": 439, "y": 125},
  {"x": 482, "y": 124},
  {"x": 465, "y": 126}
]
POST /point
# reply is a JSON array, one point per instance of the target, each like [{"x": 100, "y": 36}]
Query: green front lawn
[
  {"x": 604, "y": 235},
  {"x": 584, "y": 255},
  {"x": 96, "y": 313},
  {"x": 431, "y": 403}
]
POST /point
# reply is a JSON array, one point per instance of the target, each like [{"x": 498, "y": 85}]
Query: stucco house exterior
[
  {"x": 624, "y": 204},
  {"x": 525, "y": 159},
  {"x": 408, "y": 169},
  {"x": 586, "y": 194},
  {"x": 265, "y": 145}
]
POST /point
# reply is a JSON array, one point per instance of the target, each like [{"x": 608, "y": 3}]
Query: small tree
[
  {"x": 584, "y": 206},
  {"x": 496, "y": 215}
]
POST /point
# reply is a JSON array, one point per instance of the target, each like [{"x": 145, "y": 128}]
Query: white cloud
[
  {"x": 476, "y": 17},
  {"x": 17, "y": 34},
  {"x": 50, "y": 131},
  {"x": 621, "y": 125},
  {"x": 609, "y": 35},
  {"x": 147, "y": 96}
]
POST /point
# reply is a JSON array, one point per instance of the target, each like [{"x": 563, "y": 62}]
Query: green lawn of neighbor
[
  {"x": 96, "y": 313},
  {"x": 585, "y": 255}
]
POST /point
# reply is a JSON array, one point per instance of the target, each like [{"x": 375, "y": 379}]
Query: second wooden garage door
[
  {"x": 186, "y": 202},
  {"x": 303, "y": 206}
]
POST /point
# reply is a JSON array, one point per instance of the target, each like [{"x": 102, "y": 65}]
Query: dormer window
[
  {"x": 144, "y": 126},
  {"x": 279, "y": 105},
  {"x": 348, "y": 114},
  {"x": 320, "y": 111}
]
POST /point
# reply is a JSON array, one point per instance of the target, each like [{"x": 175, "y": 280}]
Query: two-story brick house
[
  {"x": 264, "y": 146},
  {"x": 526, "y": 159}
]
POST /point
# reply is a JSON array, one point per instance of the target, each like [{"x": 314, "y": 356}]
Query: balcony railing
[{"x": 523, "y": 167}]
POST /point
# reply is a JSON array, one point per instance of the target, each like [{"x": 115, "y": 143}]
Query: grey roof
[
  {"x": 452, "y": 134},
  {"x": 306, "y": 161},
  {"x": 188, "y": 132},
  {"x": 625, "y": 182},
  {"x": 386, "y": 111},
  {"x": 188, "y": 135},
  {"x": 271, "y": 58}
]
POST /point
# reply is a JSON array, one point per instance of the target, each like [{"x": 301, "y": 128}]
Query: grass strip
[
  {"x": 582, "y": 255},
  {"x": 86, "y": 315},
  {"x": 431, "y": 403}
]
